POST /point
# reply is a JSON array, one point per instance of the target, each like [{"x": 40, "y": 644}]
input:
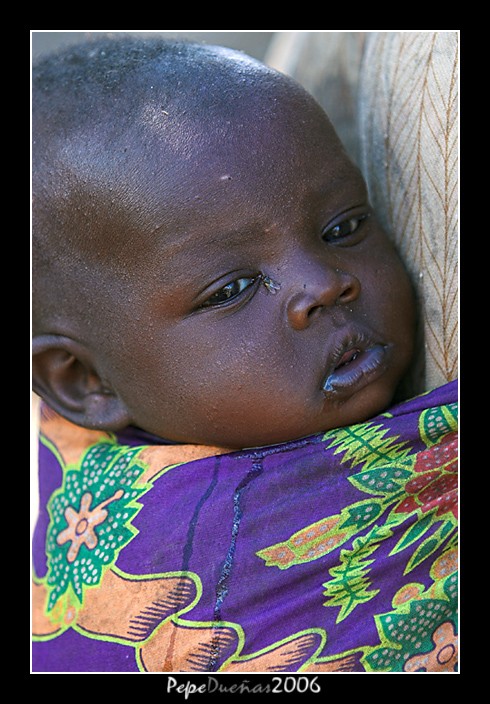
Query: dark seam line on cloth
[
  {"x": 283, "y": 447},
  {"x": 189, "y": 544},
  {"x": 188, "y": 547},
  {"x": 222, "y": 588}
]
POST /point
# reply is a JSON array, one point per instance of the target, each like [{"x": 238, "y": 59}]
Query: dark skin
[{"x": 253, "y": 299}]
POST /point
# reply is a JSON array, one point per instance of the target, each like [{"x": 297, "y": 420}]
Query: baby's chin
[
  {"x": 337, "y": 411},
  {"x": 359, "y": 408}
]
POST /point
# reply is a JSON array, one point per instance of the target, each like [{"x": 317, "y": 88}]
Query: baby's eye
[
  {"x": 230, "y": 291},
  {"x": 343, "y": 229}
]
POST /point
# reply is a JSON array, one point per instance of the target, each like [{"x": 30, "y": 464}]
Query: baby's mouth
[
  {"x": 355, "y": 368},
  {"x": 347, "y": 358}
]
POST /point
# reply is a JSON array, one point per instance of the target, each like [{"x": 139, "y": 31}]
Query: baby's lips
[
  {"x": 356, "y": 367},
  {"x": 348, "y": 357}
]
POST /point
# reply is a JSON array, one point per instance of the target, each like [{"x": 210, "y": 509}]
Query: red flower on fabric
[{"x": 436, "y": 483}]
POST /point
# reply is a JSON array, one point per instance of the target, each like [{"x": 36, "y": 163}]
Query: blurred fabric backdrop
[{"x": 253, "y": 43}]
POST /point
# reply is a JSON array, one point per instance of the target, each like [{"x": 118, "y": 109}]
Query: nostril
[
  {"x": 302, "y": 309},
  {"x": 346, "y": 295},
  {"x": 350, "y": 290},
  {"x": 309, "y": 303},
  {"x": 313, "y": 312}
]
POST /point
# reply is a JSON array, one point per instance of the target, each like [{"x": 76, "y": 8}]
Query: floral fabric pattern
[
  {"x": 337, "y": 552},
  {"x": 94, "y": 536}
]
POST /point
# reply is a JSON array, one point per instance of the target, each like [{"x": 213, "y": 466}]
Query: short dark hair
[{"x": 85, "y": 80}]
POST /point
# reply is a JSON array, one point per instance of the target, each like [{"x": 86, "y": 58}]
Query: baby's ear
[{"x": 65, "y": 377}]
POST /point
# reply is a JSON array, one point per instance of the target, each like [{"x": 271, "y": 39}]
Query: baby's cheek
[{"x": 391, "y": 279}]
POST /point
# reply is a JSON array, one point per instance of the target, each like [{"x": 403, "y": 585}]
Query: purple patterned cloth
[{"x": 337, "y": 552}]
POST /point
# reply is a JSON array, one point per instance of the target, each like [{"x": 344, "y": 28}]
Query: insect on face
[{"x": 270, "y": 285}]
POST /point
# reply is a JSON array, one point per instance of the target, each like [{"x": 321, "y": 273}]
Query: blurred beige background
[{"x": 253, "y": 43}]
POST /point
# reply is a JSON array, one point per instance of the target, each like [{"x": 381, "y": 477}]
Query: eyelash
[
  {"x": 353, "y": 224},
  {"x": 214, "y": 302}
]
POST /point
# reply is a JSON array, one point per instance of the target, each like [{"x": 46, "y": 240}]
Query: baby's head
[{"x": 206, "y": 265}]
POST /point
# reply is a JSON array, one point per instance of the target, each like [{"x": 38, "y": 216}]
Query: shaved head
[{"x": 101, "y": 112}]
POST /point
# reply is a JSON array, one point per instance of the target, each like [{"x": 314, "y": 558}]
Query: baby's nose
[{"x": 330, "y": 288}]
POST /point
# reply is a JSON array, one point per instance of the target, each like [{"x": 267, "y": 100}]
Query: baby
[
  {"x": 207, "y": 271},
  {"x": 207, "y": 266}
]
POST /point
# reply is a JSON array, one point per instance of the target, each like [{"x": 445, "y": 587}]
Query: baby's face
[{"x": 268, "y": 304}]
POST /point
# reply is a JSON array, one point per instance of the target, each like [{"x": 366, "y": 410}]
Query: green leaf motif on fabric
[
  {"x": 384, "y": 480},
  {"x": 350, "y": 586},
  {"x": 413, "y": 533},
  {"x": 405, "y": 486},
  {"x": 361, "y": 514},
  {"x": 428, "y": 546},
  {"x": 366, "y": 444},
  {"x": 438, "y": 421},
  {"x": 91, "y": 518}
]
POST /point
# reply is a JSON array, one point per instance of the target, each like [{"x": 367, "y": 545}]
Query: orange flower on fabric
[{"x": 82, "y": 523}]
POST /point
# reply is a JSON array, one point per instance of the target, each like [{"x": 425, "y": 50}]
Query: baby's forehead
[
  {"x": 149, "y": 125},
  {"x": 176, "y": 102},
  {"x": 166, "y": 134}
]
